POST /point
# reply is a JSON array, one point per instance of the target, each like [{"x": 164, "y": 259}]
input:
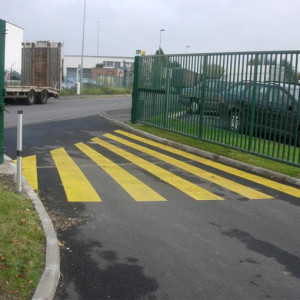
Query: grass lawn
[{"x": 22, "y": 244}]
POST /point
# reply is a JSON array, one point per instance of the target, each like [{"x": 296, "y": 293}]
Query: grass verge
[
  {"x": 97, "y": 91},
  {"x": 22, "y": 244},
  {"x": 223, "y": 151}
]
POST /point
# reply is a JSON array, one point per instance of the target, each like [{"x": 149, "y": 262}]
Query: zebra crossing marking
[
  {"x": 78, "y": 188},
  {"x": 29, "y": 170},
  {"x": 132, "y": 185},
  {"x": 222, "y": 181},
  {"x": 251, "y": 177},
  {"x": 76, "y": 185},
  {"x": 181, "y": 184}
]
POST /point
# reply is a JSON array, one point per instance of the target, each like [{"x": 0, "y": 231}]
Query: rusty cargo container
[
  {"x": 41, "y": 72},
  {"x": 41, "y": 64}
]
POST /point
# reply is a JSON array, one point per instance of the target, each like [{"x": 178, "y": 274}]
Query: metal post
[
  {"x": 202, "y": 96},
  {"x": 253, "y": 100},
  {"x": 19, "y": 150},
  {"x": 167, "y": 90},
  {"x": 78, "y": 80},
  {"x": 82, "y": 49},
  {"x": 159, "y": 50},
  {"x": 135, "y": 96},
  {"x": 98, "y": 38},
  {"x": 2, "y": 91}
]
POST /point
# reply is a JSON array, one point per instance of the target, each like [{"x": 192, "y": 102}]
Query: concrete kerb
[
  {"x": 48, "y": 283},
  {"x": 221, "y": 159}
]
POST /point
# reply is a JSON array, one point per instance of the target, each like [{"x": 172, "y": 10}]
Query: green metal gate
[
  {"x": 248, "y": 100},
  {"x": 2, "y": 52}
]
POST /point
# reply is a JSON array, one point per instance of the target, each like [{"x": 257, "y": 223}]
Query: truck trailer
[{"x": 41, "y": 67}]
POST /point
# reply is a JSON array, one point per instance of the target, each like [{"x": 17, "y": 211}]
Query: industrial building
[{"x": 73, "y": 62}]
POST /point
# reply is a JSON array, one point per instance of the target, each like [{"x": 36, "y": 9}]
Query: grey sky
[{"x": 127, "y": 25}]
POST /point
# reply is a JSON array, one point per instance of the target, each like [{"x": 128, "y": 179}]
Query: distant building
[
  {"x": 106, "y": 72},
  {"x": 71, "y": 63}
]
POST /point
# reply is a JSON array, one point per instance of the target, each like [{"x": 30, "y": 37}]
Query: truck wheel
[
  {"x": 42, "y": 97},
  {"x": 30, "y": 97}
]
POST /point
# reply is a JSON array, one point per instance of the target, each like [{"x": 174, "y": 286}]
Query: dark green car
[
  {"x": 272, "y": 109},
  {"x": 207, "y": 96}
]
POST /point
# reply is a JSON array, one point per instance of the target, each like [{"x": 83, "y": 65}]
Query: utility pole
[
  {"x": 159, "y": 50},
  {"x": 98, "y": 38},
  {"x": 82, "y": 49}
]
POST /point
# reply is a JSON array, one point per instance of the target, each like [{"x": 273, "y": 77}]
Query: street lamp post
[
  {"x": 186, "y": 47},
  {"x": 98, "y": 38},
  {"x": 82, "y": 49},
  {"x": 160, "y": 40}
]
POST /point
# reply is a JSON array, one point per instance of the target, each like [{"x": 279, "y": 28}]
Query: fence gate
[{"x": 244, "y": 100}]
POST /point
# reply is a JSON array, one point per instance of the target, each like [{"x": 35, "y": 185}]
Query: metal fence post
[
  {"x": 2, "y": 91},
  {"x": 167, "y": 91},
  {"x": 202, "y": 97},
  {"x": 253, "y": 102},
  {"x": 135, "y": 95}
]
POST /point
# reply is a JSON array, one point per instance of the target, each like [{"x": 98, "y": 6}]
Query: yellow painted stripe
[
  {"x": 226, "y": 183},
  {"x": 251, "y": 177},
  {"x": 185, "y": 186},
  {"x": 29, "y": 170},
  {"x": 133, "y": 186},
  {"x": 76, "y": 185}
]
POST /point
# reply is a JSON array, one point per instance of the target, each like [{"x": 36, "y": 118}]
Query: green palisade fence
[
  {"x": 114, "y": 81},
  {"x": 247, "y": 101},
  {"x": 2, "y": 51}
]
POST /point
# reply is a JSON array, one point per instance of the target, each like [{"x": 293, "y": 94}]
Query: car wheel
[
  {"x": 194, "y": 106},
  {"x": 235, "y": 121},
  {"x": 30, "y": 97}
]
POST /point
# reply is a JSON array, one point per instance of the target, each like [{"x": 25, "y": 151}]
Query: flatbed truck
[
  {"x": 31, "y": 94},
  {"x": 40, "y": 63}
]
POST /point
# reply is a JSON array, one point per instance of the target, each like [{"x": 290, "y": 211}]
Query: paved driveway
[{"x": 139, "y": 220}]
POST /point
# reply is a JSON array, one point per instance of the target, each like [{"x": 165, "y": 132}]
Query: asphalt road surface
[
  {"x": 63, "y": 108},
  {"x": 138, "y": 220}
]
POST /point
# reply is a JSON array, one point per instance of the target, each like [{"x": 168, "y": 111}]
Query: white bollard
[
  {"x": 19, "y": 150},
  {"x": 78, "y": 88}
]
